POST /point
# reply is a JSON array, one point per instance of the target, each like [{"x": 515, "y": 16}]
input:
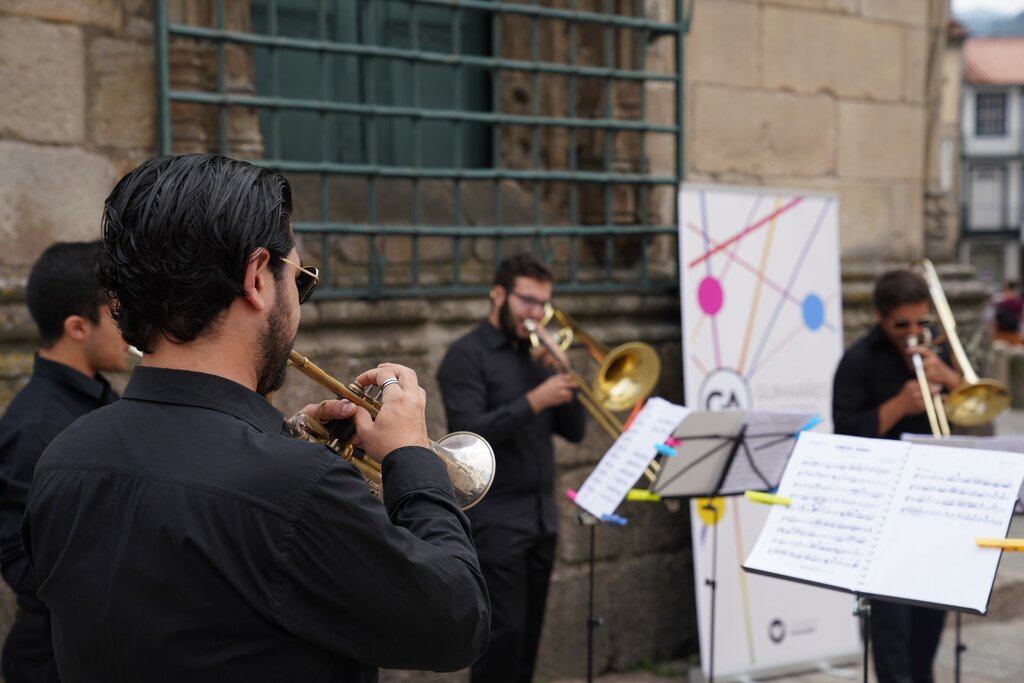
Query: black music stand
[
  {"x": 706, "y": 466},
  {"x": 589, "y": 520}
]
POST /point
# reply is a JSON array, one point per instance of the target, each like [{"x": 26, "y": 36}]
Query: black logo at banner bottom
[{"x": 777, "y": 631}]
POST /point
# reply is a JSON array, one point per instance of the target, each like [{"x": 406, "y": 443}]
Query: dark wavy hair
[
  {"x": 521, "y": 265},
  {"x": 899, "y": 287},
  {"x": 178, "y": 232},
  {"x": 63, "y": 283}
]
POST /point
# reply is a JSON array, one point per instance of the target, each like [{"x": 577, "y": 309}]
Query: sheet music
[
  {"x": 839, "y": 488},
  {"x": 891, "y": 518},
  {"x": 1009, "y": 443},
  {"x": 946, "y": 499},
  {"x": 769, "y": 441},
  {"x": 626, "y": 460}
]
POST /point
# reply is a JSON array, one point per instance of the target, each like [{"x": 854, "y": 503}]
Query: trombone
[
  {"x": 977, "y": 400},
  {"x": 466, "y": 456},
  {"x": 626, "y": 374}
]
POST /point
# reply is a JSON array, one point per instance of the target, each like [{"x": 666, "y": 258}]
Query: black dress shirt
[
  {"x": 484, "y": 380},
  {"x": 180, "y": 535},
  {"x": 871, "y": 372},
  {"x": 55, "y": 396}
]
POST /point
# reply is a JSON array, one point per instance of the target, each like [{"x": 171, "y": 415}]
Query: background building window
[
  {"x": 990, "y": 116},
  {"x": 987, "y": 208}
]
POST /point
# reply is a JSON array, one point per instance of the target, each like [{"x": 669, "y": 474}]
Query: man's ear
[
  {"x": 77, "y": 328},
  {"x": 256, "y": 280},
  {"x": 498, "y": 296}
]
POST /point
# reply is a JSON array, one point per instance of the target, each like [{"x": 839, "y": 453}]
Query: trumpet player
[
  {"x": 877, "y": 394},
  {"x": 492, "y": 384},
  {"x": 179, "y": 534}
]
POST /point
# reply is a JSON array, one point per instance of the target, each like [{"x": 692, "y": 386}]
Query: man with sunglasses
[
  {"x": 494, "y": 384},
  {"x": 180, "y": 534},
  {"x": 876, "y": 394},
  {"x": 78, "y": 339}
]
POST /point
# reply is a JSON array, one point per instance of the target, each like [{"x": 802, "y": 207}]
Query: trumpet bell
[
  {"x": 627, "y": 374},
  {"x": 469, "y": 460},
  {"x": 970, "y": 405}
]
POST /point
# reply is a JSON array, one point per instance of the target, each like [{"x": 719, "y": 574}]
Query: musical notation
[{"x": 892, "y": 519}]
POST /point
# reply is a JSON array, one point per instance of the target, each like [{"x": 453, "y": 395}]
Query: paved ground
[{"x": 995, "y": 643}]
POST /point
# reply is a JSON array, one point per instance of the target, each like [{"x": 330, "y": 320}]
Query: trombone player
[
  {"x": 877, "y": 394},
  {"x": 179, "y": 534},
  {"x": 492, "y": 384}
]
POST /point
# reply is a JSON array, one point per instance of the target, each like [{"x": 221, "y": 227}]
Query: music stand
[
  {"x": 706, "y": 466},
  {"x": 609, "y": 482}
]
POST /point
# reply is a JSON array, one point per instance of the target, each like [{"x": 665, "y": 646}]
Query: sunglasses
[
  {"x": 903, "y": 324},
  {"x": 306, "y": 280}
]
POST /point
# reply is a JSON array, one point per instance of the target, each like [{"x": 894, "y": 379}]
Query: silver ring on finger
[{"x": 388, "y": 382}]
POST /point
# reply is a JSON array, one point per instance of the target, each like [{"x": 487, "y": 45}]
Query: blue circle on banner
[{"x": 814, "y": 311}]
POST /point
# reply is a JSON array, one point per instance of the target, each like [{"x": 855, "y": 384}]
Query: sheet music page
[
  {"x": 946, "y": 499},
  {"x": 839, "y": 488},
  {"x": 629, "y": 456},
  {"x": 1010, "y": 442},
  {"x": 769, "y": 438}
]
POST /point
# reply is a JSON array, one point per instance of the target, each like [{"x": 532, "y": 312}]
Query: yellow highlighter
[
  {"x": 1008, "y": 544},
  {"x": 766, "y": 498},
  {"x": 643, "y": 496}
]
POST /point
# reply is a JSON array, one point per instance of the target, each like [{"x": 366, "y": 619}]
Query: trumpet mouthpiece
[{"x": 530, "y": 325}]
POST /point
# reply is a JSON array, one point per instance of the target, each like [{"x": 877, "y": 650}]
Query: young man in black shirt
[
  {"x": 180, "y": 534},
  {"x": 492, "y": 384},
  {"x": 876, "y": 394},
  {"x": 78, "y": 339}
]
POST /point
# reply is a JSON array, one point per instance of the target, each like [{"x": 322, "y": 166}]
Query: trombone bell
[
  {"x": 976, "y": 404},
  {"x": 628, "y": 373}
]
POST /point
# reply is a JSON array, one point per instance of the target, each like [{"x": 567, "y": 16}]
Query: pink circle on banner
[{"x": 709, "y": 295}]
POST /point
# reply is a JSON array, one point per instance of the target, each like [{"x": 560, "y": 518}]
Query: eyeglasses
[
  {"x": 903, "y": 324},
  {"x": 306, "y": 280},
  {"x": 529, "y": 301}
]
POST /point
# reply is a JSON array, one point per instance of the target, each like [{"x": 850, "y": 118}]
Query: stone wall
[
  {"x": 78, "y": 112},
  {"x": 833, "y": 95}
]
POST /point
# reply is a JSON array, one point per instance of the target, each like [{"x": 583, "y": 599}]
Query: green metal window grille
[{"x": 426, "y": 139}]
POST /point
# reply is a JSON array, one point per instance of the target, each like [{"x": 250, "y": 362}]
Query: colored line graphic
[{"x": 778, "y": 303}]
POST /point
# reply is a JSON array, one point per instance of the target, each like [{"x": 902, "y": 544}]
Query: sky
[{"x": 1003, "y": 6}]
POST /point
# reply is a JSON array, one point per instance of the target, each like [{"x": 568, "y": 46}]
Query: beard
[
  {"x": 508, "y": 323},
  {"x": 276, "y": 342}
]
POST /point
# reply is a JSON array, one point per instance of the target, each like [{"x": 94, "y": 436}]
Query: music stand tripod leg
[
  {"x": 960, "y": 647},
  {"x": 586, "y": 519},
  {"x": 712, "y": 584},
  {"x": 862, "y": 610}
]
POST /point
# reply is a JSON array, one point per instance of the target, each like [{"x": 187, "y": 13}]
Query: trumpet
[{"x": 467, "y": 457}]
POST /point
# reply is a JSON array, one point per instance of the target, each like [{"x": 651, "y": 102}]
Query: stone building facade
[{"x": 833, "y": 95}]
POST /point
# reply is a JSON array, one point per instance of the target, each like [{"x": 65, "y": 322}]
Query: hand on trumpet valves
[
  {"x": 331, "y": 409},
  {"x": 554, "y": 391},
  {"x": 401, "y": 420}
]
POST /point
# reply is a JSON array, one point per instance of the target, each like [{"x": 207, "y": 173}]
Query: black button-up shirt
[
  {"x": 484, "y": 380},
  {"x": 871, "y": 372},
  {"x": 55, "y": 396},
  {"x": 180, "y": 535}
]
